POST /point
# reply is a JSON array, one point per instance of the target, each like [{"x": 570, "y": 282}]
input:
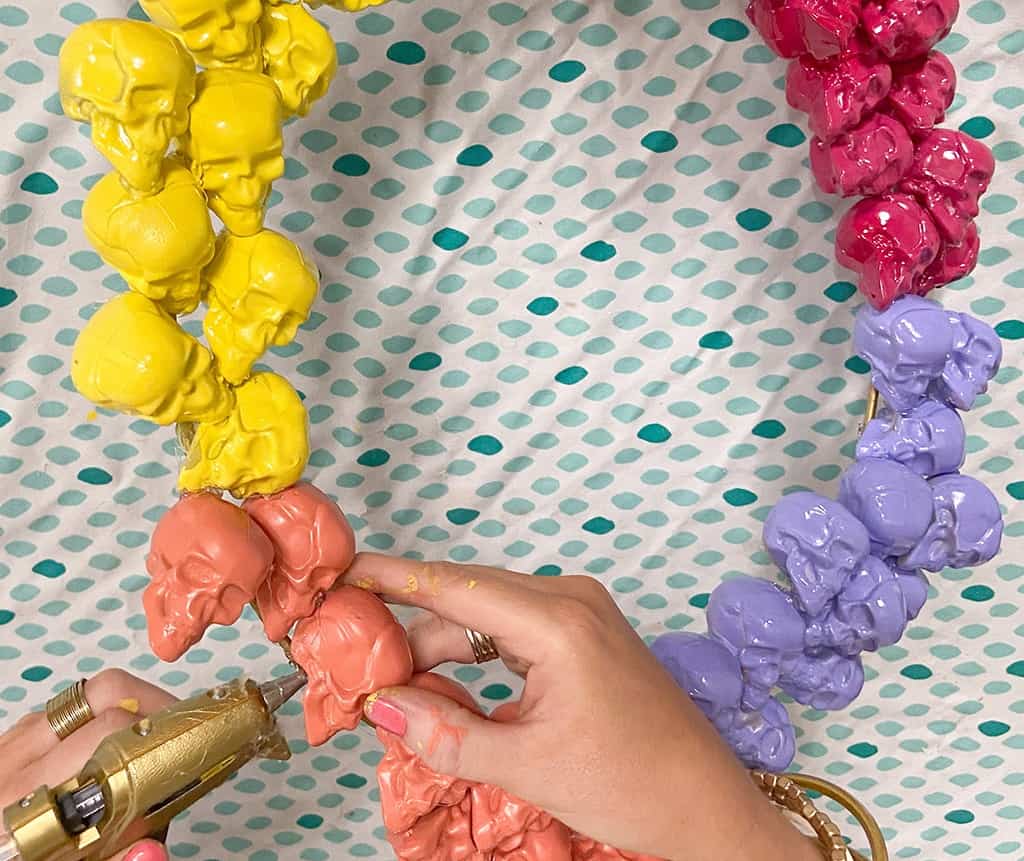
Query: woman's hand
[
  {"x": 32, "y": 755},
  {"x": 604, "y": 738}
]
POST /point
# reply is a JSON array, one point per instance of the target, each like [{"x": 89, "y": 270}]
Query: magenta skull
[
  {"x": 952, "y": 263},
  {"x": 922, "y": 91},
  {"x": 890, "y": 241},
  {"x": 821, "y": 28},
  {"x": 950, "y": 173},
  {"x": 905, "y": 29},
  {"x": 838, "y": 93},
  {"x": 866, "y": 160}
]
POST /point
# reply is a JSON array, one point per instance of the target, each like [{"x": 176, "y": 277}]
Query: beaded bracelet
[{"x": 874, "y": 89}]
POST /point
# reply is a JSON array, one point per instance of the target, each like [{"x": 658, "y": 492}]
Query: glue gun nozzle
[{"x": 278, "y": 691}]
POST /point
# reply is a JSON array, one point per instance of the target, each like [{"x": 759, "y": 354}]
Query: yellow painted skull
[
  {"x": 261, "y": 448},
  {"x": 259, "y": 290},
  {"x": 133, "y": 83},
  {"x": 234, "y": 144},
  {"x": 217, "y": 32},
  {"x": 346, "y": 5},
  {"x": 299, "y": 54},
  {"x": 132, "y": 357},
  {"x": 159, "y": 243}
]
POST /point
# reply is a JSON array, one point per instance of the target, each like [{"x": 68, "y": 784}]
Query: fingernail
[
  {"x": 147, "y": 850},
  {"x": 386, "y": 715}
]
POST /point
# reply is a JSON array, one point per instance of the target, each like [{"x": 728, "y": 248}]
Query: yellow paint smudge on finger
[{"x": 130, "y": 705}]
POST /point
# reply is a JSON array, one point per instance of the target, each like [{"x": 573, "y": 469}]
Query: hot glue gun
[{"x": 140, "y": 778}]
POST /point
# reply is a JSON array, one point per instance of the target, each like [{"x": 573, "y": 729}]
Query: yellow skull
[
  {"x": 132, "y": 357},
  {"x": 347, "y": 5},
  {"x": 217, "y": 32},
  {"x": 299, "y": 54},
  {"x": 259, "y": 290},
  {"x": 133, "y": 83},
  {"x": 234, "y": 144},
  {"x": 260, "y": 448},
  {"x": 159, "y": 243}
]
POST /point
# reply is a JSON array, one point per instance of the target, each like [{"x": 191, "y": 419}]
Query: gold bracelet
[{"x": 787, "y": 791}]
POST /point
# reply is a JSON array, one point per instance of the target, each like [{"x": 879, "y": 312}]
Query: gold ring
[
  {"x": 69, "y": 710},
  {"x": 483, "y": 646}
]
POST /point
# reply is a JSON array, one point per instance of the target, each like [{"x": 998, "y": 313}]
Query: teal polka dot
[
  {"x": 786, "y": 134},
  {"x": 39, "y": 183},
  {"x": 407, "y": 53},
  {"x": 474, "y": 156},
  {"x": 352, "y": 165},
  {"x": 566, "y": 71}
]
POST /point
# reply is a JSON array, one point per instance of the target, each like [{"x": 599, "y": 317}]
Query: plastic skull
[
  {"x": 869, "y": 613},
  {"x": 346, "y": 5},
  {"x": 889, "y": 240},
  {"x": 866, "y": 160},
  {"x": 313, "y": 547},
  {"x": 952, "y": 263},
  {"x": 259, "y": 290},
  {"x": 159, "y": 243},
  {"x": 908, "y": 347},
  {"x": 950, "y": 173},
  {"x": 905, "y": 29},
  {"x": 706, "y": 670},
  {"x": 444, "y": 833},
  {"x": 821, "y": 28},
  {"x": 500, "y": 821},
  {"x": 764, "y": 738},
  {"x": 928, "y": 439},
  {"x": 206, "y": 561},
  {"x": 818, "y": 543},
  {"x": 236, "y": 155},
  {"x": 299, "y": 54},
  {"x": 261, "y": 447},
  {"x": 827, "y": 681},
  {"x": 132, "y": 357},
  {"x": 966, "y": 526},
  {"x": 914, "y": 585},
  {"x": 217, "y": 32},
  {"x": 837, "y": 94},
  {"x": 133, "y": 83},
  {"x": 922, "y": 91},
  {"x": 974, "y": 360},
  {"x": 890, "y": 500},
  {"x": 350, "y": 647},
  {"x": 756, "y": 621}
]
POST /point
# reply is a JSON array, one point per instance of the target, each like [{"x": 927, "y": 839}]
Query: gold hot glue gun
[{"x": 140, "y": 778}]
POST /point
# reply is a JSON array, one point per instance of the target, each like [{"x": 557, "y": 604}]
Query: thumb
[
  {"x": 147, "y": 850},
  {"x": 449, "y": 738}
]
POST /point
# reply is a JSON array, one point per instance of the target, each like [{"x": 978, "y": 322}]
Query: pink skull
[
  {"x": 206, "y": 561},
  {"x": 905, "y": 29},
  {"x": 922, "y": 91},
  {"x": 501, "y": 821},
  {"x": 951, "y": 172},
  {"x": 889, "y": 241},
  {"x": 314, "y": 545},
  {"x": 867, "y": 160},
  {"x": 953, "y": 262},
  {"x": 837, "y": 93},
  {"x": 444, "y": 834},
  {"x": 585, "y": 849},
  {"x": 822, "y": 28},
  {"x": 349, "y": 648}
]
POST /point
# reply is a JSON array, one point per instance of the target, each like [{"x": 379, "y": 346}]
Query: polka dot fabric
[{"x": 579, "y": 313}]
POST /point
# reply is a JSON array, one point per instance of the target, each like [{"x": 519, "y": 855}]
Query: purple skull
[
  {"x": 928, "y": 439},
  {"x": 905, "y": 29},
  {"x": 914, "y": 585},
  {"x": 866, "y": 160},
  {"x": 818, "y": 543},
  {"x": 838, "y": 93},
  {"x": 869, "y": 613},
  {"x": 966, "y": 526},
  {"x": 706, "y": 670},
  {"x": 974, "y": 360},
  {"x": 952, "y": 263},
  {"x": 764, "y": 738},
  {"x": 828, "y": 681},
  {"x": 755, "y": 621},
  {"x": 907, "y": 346},
  {"x": 890, "y": 500},
  {"x": 922, "y": 91},
  {"x": 950, "y": 173}
]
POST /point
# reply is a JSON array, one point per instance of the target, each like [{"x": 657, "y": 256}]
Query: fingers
[
  {"x": 512, "y": 608},
  {"x": 435, "y": 641},
  {"x": 32, "y": 737},
  {"x": 145, "y": 850},
  {"x": 67, "y": 757}
]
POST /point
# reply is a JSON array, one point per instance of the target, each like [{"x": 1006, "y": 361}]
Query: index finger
[{"x": 510, "y": 607}]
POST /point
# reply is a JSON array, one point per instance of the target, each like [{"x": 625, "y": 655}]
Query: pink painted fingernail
[
  {"x": 147, "y": 850},
  {"x": 386, "y": 715}
]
